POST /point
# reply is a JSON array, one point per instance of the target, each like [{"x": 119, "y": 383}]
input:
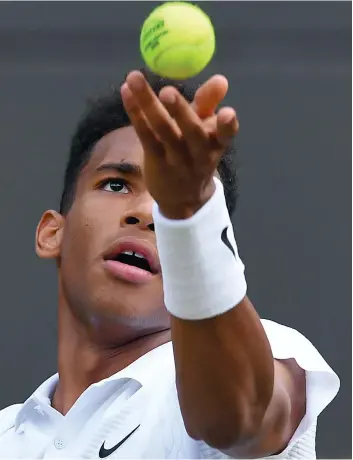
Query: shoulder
[{"x": 8, "y": 417}]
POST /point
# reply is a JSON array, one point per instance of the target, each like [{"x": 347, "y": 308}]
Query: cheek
[
  {"x": 91, "y": 227},
  {"x": 80, "y": 233}
]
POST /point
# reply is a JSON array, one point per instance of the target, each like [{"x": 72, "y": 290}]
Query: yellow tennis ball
[{"x": 177, "y": 40}]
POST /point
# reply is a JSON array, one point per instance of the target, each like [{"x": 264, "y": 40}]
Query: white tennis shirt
[{"x": 144, "y": 395}]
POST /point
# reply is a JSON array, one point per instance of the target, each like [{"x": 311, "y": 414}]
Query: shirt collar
[
  {"x": 144, "y": 370},
  {"x": 147, "y": 367}
]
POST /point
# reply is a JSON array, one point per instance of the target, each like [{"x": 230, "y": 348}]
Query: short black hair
[{"x": 107, "y": 113}]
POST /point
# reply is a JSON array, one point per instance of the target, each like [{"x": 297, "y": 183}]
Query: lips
[{"x": 132, "y": 260}]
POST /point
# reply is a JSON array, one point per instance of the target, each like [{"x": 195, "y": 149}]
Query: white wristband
[{"x": 203, "y": 275}]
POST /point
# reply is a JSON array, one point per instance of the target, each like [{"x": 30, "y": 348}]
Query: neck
[{"x": 85, "y": 358}]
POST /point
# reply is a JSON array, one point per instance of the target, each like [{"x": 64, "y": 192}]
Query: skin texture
[{"x": 232, "y": 393}]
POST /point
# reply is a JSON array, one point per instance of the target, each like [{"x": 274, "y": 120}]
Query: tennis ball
[{"x": 177, "y": 40}]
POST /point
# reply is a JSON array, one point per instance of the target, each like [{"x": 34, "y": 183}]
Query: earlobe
[{"x": 49, "y": 235}]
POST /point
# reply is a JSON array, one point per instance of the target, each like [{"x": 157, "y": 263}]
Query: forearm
[{"x": 225, "y": 375}]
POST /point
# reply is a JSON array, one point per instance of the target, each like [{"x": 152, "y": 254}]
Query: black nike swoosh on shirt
[
  {"x": 225, "y": 240},
  {"x": 103, "y": 452}
]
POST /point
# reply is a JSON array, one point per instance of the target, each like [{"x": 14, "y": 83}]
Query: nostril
[
  {"x": 132, "y": 220},
  {"x": 151, "y": 227}
]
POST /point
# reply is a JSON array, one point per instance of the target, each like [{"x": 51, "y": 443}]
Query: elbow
[
  {"x": 236, "y": 427},
  {"x": 232, "y": 418}
]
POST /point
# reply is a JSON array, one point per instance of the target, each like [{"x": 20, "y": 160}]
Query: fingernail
[
  {"x": 135, "y": 81},
  {"x": 126, "y": 93},
  {"x": 124, "y": 89},
  {"x": 229, "y": 117},
  {"x": 169, "y": 98}
]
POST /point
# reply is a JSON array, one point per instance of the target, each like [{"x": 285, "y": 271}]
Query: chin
[
  {"x": 122, "y": 300},
  {"x": 120, "y": 322}
]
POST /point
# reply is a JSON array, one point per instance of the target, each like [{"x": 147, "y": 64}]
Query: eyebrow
[{"x": 122, "y": 167}]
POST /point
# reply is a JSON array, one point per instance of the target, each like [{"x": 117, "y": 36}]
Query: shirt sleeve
[{"x": 322, "y": 385}]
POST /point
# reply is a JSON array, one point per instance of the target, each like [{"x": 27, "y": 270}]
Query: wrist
[
  {"x": 203, "y": 275},
  {"x": 184, "y": 210}
]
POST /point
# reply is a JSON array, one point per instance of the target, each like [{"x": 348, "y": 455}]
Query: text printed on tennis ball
[{"x": 153, "y": 35}]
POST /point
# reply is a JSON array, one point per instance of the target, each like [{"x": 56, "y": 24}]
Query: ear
[{"x": 49, "y": 235}]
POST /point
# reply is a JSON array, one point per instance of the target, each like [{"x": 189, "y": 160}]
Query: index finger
[{"x": 157, "y": 115}]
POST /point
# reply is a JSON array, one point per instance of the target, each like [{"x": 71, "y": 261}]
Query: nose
[{"x": 140, "y": 215}]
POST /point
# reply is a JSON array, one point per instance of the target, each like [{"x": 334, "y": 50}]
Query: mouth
[{"x": 133, "y": 260}]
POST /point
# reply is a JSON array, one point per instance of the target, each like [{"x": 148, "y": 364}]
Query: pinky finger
[
  {"x": 227, "y": 125},
  {"x": 138, "y": 120}
]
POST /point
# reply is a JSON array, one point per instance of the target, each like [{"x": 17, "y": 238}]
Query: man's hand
[{"x": 183, "y": 143}]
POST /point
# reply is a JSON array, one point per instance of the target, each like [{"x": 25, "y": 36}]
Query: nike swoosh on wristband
[
  {"x": 225, "y": 240},
  {"x": 103, "y": 452}
]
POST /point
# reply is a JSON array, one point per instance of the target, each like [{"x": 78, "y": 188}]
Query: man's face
[{"x": 107, "y": 234}]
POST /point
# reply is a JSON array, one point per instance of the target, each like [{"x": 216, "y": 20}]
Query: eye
[{"x": 115, "y": 185}]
